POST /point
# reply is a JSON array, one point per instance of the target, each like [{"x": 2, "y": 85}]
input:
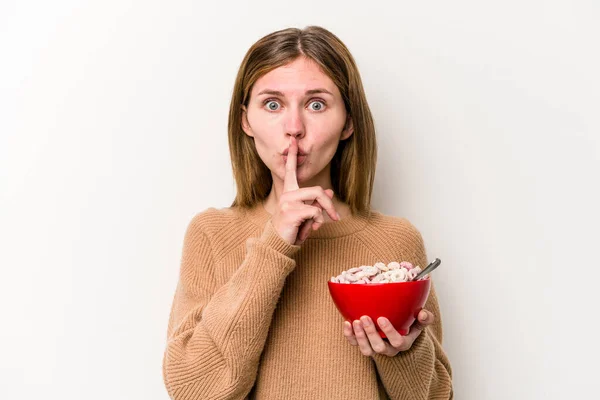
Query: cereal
[
  {"x": 381, "y": 266},
  {"x": 394, "y": 265},
  {"x": 378, "y": 279},
  {"x": 406, "y": 265},
  {"x": 380, "y": 273},
  {"x": 399, "y": 275},
  {"x": 371, "y": 271}
]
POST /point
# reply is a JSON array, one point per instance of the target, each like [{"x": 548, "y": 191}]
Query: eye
[
  {"x": 272, "y": 105},
  {"x": 317, "y": 105}
]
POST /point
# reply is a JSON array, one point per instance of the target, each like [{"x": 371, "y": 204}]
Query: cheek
[
  {"x": 331, "y": 122},
  {"x": 264, "y": 129},
  {"x": 263, "y": 126},
  {"x": 327, "y": 132}
]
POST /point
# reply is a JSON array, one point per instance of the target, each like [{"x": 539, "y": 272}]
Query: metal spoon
[{"x": 428, "y": 269}]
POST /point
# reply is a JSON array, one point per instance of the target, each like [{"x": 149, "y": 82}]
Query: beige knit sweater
[{"x": 252, "y": 317}]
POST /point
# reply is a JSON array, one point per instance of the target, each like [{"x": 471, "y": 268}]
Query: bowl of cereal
[{"x": 381, "y": 290}]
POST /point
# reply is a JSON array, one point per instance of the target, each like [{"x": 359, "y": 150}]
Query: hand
[
  {"x": 365, "y": 334},
  {"x": 300, "y": 210}
]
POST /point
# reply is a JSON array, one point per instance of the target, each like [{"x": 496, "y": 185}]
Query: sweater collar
[{"x": 332, "y": 229}]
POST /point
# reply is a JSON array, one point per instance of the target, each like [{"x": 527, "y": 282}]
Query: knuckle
[
  {"x": 318, "y": 213},
  {"x": 380, "y": 348}
]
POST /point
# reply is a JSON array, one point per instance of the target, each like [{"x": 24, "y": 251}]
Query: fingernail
[
  {"x": 383, "y": 323},
  {"x": 365, "y": 321},
  {"x": 338, "y": 215}
]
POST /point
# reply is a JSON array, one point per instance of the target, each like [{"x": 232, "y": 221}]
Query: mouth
[
  {"x": 300, "y": 152},
  {"x": 299, "y": 160}
]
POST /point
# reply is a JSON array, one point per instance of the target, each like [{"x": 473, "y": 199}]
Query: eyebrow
[{"x": 308, "y": 92}]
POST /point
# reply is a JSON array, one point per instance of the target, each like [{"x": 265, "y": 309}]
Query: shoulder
[
  {"x": 394, "y": 226},
  {"x": 221, "y": 229},
  {"x": 394, "y": 237},
  {"x": 212, "y": 221}
]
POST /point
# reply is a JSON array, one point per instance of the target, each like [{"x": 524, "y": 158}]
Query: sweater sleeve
[
  {"x": 216, "y": 334},
  {"x": 423, "y": 372}
]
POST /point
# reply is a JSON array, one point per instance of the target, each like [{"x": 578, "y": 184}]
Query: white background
[{"x": 113, "y": 136}]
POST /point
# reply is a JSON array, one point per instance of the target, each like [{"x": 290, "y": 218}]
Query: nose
[{"x": 294, "y": 124}]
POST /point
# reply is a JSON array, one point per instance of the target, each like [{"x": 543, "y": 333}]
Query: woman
[{"x": 252, "y": 316}]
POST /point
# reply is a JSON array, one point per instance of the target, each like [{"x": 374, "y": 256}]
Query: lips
[
  {"x": 300, "y": 152},
  {"x": 299, "y": 161}
]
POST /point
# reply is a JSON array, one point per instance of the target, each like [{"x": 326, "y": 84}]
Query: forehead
[{"x": 296, "y": 77}]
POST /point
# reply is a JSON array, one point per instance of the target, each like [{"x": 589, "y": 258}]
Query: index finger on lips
[{"x": 290, "y": 181}]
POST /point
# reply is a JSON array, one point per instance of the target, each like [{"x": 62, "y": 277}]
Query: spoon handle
[{"x": 428, "y": 269}]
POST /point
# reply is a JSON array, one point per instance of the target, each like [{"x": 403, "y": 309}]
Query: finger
[
  {"x": 311, "y": 224},
  {"x": 397, "y": 341},
  {"x": 310, "y": 194},
  {"x": 329, "y": 194},
  {"x": 290, "y": 181},
  {"x": 425, "y": 318},
  {"x": 315, "y": 225},
  {"x": 414, "y": 333},
  {"x": 298, "y": 213},
  {"x": 361, "y": 337},
  {"x": 349, "y": 334},
  {"x": 306, "y": 213},
  {"x": 305, "y": 229},
  {"x": 377, "y": 343}
]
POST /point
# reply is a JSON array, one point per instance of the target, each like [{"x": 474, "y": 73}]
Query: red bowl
[{"x": 400, "y": 302}]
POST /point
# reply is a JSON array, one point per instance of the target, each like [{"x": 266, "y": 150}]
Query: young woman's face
[{"x": 296, "y": 99}]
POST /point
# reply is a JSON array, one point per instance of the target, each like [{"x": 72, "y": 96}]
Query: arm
[
  {"x": 216, "y": 334},
  {"x": 423, "y": 371}
]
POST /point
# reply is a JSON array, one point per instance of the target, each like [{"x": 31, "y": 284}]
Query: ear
[
  {"x": 245, "y": 125},
  {"x": 348, "y": 128}
]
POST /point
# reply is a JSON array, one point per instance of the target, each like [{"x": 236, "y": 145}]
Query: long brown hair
[{"x": 353, "y": 165}]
